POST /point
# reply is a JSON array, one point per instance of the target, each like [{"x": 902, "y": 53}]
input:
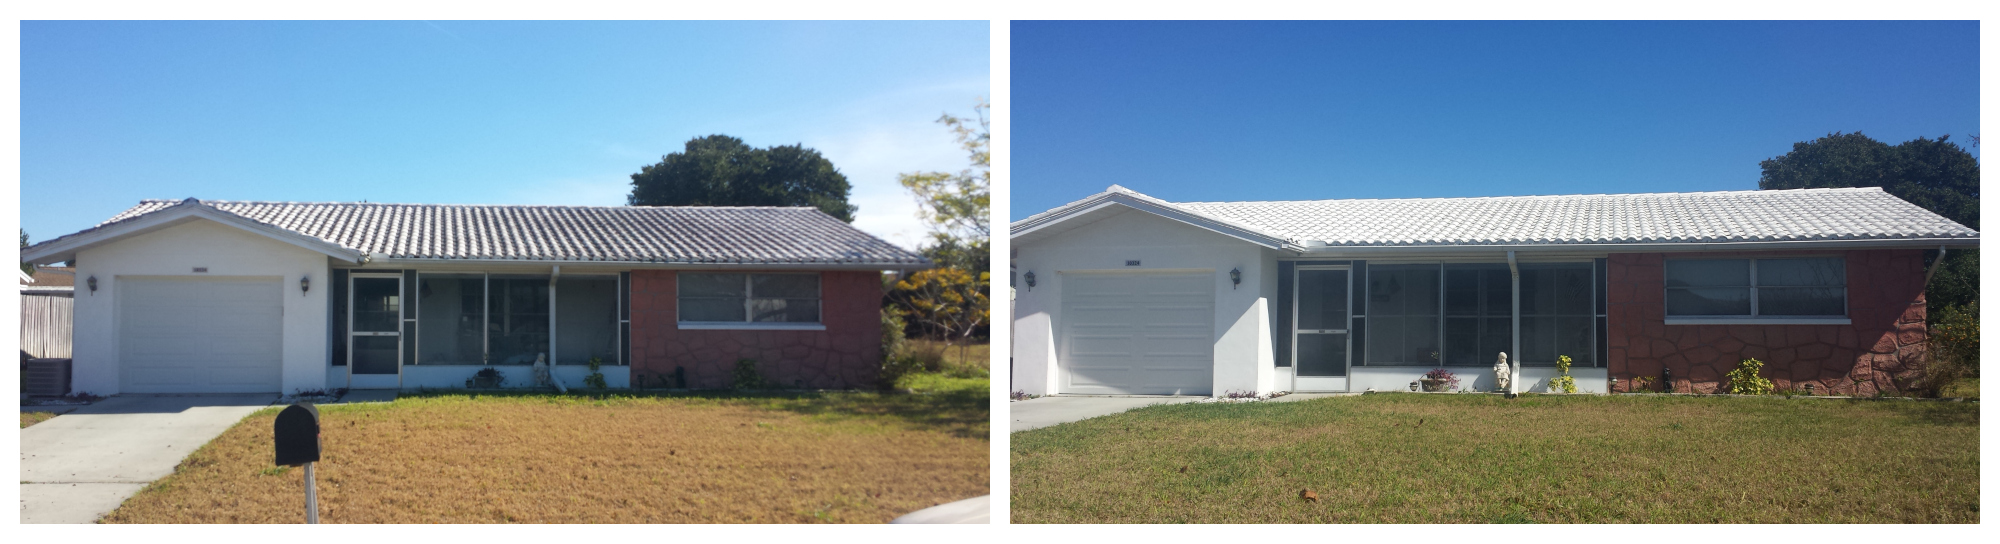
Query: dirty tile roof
[
  {"x": 679, "y": 234},
  {"x": 1865, "y": 213}
]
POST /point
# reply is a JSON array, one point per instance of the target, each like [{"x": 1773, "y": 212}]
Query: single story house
[
  {"x": 1123, "y": 293},
  {"x": 197, "y": 296},
  {"x": 51, "y": 281}
]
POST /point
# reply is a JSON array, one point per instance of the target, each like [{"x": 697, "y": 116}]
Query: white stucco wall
[
  {"x": 1533, "y": 379},
  {"x": 1243, "y": 314},
  {"x": 176, "y": 251}
]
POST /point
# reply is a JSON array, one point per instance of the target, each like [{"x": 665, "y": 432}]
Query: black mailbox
[{"x": 297, "y": 434}]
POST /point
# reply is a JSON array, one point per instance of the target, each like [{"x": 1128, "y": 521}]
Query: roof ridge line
[{"x": 1574, "y": 195}]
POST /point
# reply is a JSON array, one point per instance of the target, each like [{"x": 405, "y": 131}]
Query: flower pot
[{"x": 1435, "y": 386}]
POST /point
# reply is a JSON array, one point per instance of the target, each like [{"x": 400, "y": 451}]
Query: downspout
[
  {"x": 1514, "y": 370},
  {"x": 1934, "y": 266},
  {"x": 554, "y": 274}
]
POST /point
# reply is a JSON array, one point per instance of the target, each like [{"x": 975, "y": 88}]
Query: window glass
[
  {"x": 518, "y": 330},
  {"x": 1782, "y": 287},
  {"x": 1403, "y": 305},
  {"x": 1559, "y": 320},
  {"x": 586, "y": 319},
  {"x": 1801, "y": 272},
  {"x": 1477, "y": 302},
  {"x": 769, "y": 298},
  {"x": 1708, "y": 273},
  {"x": 451, "y": 319}
]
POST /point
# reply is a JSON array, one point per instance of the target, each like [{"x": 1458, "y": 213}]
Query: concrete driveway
[
  {"x": 1047, "y": 411},
  {"x": 83, "y": 464}
]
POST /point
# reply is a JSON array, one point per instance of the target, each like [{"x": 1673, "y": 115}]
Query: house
[
  {"x": 49, "y": 281},
  {"x": 1123, "y": 293},
  {"x": 216, "y": 296}
]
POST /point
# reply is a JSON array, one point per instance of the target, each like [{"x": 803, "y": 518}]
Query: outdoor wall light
[
  {"x": 1235, "y": 277},
  {"x": 1031, "y": 279},
  {"x": 93, "y": 284},
  {"x": 305, "y": 284}
]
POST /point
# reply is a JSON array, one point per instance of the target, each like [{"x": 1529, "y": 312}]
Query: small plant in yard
[
  {"x": 1440, "y": 380},
  {"x": 1023, "y": 395},
  {"x": 595, "y": 380},
  {"x": 1564, "y": 382},
  {"x": 488, "y": 377},
  {"x": 1745, "y": 381},
  {"x": 1234, "y": 394},
  {"x": 746, "y": 376}
]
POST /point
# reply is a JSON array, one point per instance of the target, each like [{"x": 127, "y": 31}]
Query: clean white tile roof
[
  {"x": 689, "y": 234},
  {"x": 1865, "y": 213}
]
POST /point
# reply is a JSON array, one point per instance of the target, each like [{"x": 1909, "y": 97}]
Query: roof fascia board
[
  {"x": 1913, "y": 243},
  {"x": 472, "y": 264},
  {"x": 1114, "y": 198},
  {"x": 62, "y": 250}
]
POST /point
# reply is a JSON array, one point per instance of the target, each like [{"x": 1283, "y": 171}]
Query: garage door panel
[
  {"x": 201, "y": 335},
  {"x": 1144, "y": 333}
]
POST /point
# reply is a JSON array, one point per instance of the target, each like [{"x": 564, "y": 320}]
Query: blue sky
[
  {"x": 1203, "y": 111},
  {"x": 472, "y": 112}
]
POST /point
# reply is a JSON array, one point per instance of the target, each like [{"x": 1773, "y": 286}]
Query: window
[
  {"x": 1403, "y": 315},
  {"x": 1478, "y": 313},
  {"x": 1557, "y": 314},
  {"x": 1757, "y": 288},
  {"x": 707, "y": 298}
]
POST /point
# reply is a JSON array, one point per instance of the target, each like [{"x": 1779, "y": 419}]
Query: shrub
[
  {"x": 746, "y": 376},
  {"x": 893, "y": 340},
  {"x": 1953, "y": 348},
  {"x": 595, "y": 380},
  {"x": 1450, "y": 380},
  {"x": 1564, "y": 382},
  {"x": 1745, "y": 381}
]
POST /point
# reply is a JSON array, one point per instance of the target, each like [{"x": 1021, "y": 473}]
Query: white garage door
[
  {"x": 200, "y": 335},
  {"x": 1138, "y": 334}
]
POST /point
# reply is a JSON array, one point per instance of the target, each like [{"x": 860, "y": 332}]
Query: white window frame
[
  {"x": 818, "y": 323},
  {"x": 1755, "y": 317}
]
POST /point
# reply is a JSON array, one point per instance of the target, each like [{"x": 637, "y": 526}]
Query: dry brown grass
[
  {"x": 1483, "y": 459},
  {"x": 551, "y": 459},
  {"x": 31, "y": 418}
]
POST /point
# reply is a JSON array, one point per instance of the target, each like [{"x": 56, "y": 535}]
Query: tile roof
[
  {"x": 1847, "y": 214},
  {"x": 667, "y": 235}
]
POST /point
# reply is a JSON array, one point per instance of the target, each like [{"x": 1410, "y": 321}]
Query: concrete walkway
[
  {"x": 1047, "y": 411},
  {"x": 83, "y": 464}
]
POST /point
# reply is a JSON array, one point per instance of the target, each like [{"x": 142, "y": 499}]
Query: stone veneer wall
[
  {"x": 1884, "y": 345},
  {"x": 848, "y": 354}
]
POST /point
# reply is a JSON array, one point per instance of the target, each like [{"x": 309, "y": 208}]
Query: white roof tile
[
  {"x": 679, "y": 234},
  {"x": 1865, "y": 213}
]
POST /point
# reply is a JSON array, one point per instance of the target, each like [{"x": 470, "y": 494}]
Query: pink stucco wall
[
  {"x": 848, "y": 354},
  {"x": 1883, "y": 347}
]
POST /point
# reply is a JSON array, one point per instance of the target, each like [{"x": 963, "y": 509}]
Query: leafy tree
[
  {"x": 719, "y": 170},
  {"x": 1936, "y": 175},
  {"x": 948, "y": 302},
  {"x": 27, "y": 267},
  {"x": 958, "y": 206}
]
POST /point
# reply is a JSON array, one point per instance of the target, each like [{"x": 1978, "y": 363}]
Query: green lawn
[
  {"x": 1968, "y": 388},
  {"x": 31, "y": 418},
  {"x": 1403, "y": 458}
]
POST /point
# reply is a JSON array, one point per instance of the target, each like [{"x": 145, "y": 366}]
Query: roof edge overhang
[
  {"x": 65, "y": 248},
  {"x": 1901, "y": 243},
  {"x": 1052, "y": 220},
  {"x": 377, "y": 261}
]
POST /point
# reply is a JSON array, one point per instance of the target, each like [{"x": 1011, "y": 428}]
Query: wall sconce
[
  {"x": 1235, "y": 277},
  {"x": 93, "y": 285},
  {"x": 305, "y": 284},
  {"x": 1031, "y": 279}
]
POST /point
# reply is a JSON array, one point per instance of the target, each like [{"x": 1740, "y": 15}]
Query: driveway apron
[
  {"x": 83, "y": 464},
  {"x": 1046, "y": 411}
]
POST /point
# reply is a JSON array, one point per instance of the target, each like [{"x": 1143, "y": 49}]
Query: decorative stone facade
[
  {"x": 1881, "y": 348},
  {"x": 848, "y": 354}
]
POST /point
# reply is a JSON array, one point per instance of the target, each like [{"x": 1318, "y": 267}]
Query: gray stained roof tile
[
  {"x": 1865, "y": 213},
  {"x": 682, "y": 234}
]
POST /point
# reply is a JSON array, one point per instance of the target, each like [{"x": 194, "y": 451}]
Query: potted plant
[
  {"x": 487, "y": 378},
  {"x": 1439, "y": 380}
]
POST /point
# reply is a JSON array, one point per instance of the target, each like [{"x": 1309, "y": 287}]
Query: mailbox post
[{"x": 296, "y": 435}]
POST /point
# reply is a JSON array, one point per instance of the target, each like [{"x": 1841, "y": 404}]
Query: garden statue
[
  {"x": 1502, "y": 375},
  {"x": 541, "y": 369}
]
